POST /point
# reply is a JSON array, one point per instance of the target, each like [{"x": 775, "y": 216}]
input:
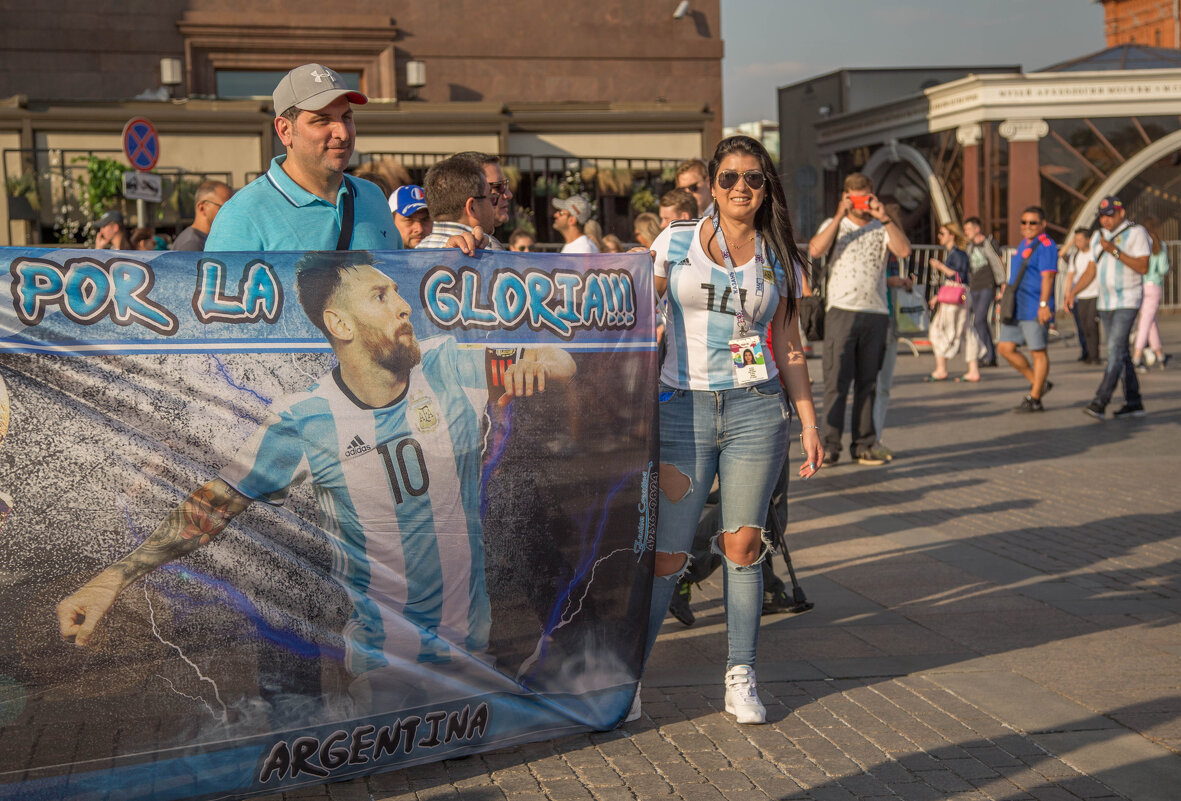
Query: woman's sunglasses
[{"x": 754, "y": 179}]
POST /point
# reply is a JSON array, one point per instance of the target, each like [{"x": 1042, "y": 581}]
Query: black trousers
[
  {"x": 1086, "y": 316},
  {"x": 854, "y": 345}
]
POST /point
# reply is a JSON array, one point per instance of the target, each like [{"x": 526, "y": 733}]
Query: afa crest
[{"x": 424, "y": 418}]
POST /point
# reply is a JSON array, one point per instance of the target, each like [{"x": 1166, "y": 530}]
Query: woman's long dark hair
[{"x": 772, "y": 219}]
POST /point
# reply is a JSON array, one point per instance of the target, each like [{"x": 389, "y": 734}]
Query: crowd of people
[{"x": 729, "y": 276}]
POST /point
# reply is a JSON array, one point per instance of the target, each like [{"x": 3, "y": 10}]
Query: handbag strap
[{"x": 345, "y": 241}]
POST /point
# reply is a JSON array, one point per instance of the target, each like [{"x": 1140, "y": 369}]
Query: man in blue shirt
[
  {"x": 299, "y": 204},
  {"x": 1035, "y": 307}
]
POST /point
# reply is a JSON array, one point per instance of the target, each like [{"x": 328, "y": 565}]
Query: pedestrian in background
[
  {"x": 1119, "y": 260},
  {"x": 647, "y": 228},
  {"x": 1032, "y": 272},
  {"x": 521, "y": 241},
  {"x": 949, "y": 324},
  {"x": 1147, "y": 332},
  {"x": 895, "y": 280},
  {"x": 860, "y": 236},
  {"x": 207, "y": 202},
  {"x": 1084, "y": 304},
  {"x": 987, "y": 275},
  {"x": 111, "y": 233}
]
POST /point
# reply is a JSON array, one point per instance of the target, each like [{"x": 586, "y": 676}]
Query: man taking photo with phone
[{"x": 857, "y": 240}]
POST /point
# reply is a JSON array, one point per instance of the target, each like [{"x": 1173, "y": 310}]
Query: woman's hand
[
  {"x": 933, "y": 301},
  {"x": 813, "y": 452}
]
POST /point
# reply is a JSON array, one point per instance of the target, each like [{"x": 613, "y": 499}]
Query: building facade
[
  {"x": 990, "y": 145},
  {"x": 1156, "y": 23},
  {"x": 608, "y": 81}
]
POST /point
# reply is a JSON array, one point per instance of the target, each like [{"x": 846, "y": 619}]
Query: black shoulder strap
[
  {"x": 1025, "y": 263},
  {"x": 346, "y": 222}
]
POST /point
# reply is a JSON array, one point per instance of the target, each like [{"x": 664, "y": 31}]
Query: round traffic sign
[{"x": 141, "y": 143}]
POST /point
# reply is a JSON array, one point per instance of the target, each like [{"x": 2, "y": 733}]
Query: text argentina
[{"x": 367, "y": 743}]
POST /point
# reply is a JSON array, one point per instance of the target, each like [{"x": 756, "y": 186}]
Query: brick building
[
  {"x": 613, "y": 82},
  {"x": 1156, "y": 23}
]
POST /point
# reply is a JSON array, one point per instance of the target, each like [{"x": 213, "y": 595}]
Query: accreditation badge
[{"x": 750, "y": 365}]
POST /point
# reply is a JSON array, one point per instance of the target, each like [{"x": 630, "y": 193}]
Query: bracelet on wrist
[{"x": 803, "y": 452}]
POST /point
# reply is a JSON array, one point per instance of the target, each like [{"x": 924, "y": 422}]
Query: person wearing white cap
[
  {"x": 570, "y": 216},
  {"x": 408, "y": 203},
  {"x": 305, "y": 201}
]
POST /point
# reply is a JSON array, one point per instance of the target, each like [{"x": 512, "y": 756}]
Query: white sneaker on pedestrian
[{"x": 742, "y": 700}]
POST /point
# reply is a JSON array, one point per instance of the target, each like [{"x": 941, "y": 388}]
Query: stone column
[
  {"x": 1024, "y": 169},
  {"x": 969, "y": 138}
]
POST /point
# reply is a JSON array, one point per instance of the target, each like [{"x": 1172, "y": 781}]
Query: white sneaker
[{"x": 742, "y": 700}]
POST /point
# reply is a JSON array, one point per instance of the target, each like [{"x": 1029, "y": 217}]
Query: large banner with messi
[{"x": 277, "y": 519}]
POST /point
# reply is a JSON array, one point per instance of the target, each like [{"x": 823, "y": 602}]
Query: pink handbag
[{"x": 952, "y": 294}]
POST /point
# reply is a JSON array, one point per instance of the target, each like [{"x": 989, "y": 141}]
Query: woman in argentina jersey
[{"x": 729, "y": 280}]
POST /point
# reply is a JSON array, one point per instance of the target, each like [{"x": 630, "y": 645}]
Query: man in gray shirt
[{"x": 210, "y": 197}]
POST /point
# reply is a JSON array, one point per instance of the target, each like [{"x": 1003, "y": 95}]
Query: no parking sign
[{"x": 141, "y": 143}]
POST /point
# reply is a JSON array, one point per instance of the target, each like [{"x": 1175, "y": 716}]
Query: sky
[{"x": 773, "y": 43}]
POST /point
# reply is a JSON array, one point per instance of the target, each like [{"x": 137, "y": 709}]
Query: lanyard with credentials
[
  {"x": 743, "y": 327},
  {"x": 746, "y": 350}
]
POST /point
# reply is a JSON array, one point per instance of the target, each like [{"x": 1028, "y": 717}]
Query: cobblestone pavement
[{"x": 996, "y": 618}]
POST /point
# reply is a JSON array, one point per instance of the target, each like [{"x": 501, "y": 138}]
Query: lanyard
[{"x": 743, "y": 328}]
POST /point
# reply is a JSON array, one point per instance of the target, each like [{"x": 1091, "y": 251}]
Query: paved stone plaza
[{"x": 998, "y": 616}]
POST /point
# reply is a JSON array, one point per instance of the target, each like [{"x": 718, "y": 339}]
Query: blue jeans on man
[{"x": 1118, "y": 325}]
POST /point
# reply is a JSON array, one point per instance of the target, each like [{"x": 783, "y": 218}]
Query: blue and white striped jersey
[
  {"x": 1120, "y": 287},
  {"x": 700, "y": 318},
  {"x": 398, "y": 492}
]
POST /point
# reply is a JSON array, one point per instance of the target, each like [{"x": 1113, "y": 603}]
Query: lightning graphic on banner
[
  {"x": 567, "y": 607},
  {"x": 216, "y": 693}
]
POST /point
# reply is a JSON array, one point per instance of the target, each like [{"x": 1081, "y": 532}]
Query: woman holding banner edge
[{"x": 726, "y": 278}]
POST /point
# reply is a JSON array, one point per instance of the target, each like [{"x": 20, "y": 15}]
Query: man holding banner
[{"x": 391, "y": 440}]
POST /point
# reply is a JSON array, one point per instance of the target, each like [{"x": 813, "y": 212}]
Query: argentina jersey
[
  {"x": 701, "y": 317},
  {"x": 1120, "y": 287},
  {"x": 398, "y": 490}
]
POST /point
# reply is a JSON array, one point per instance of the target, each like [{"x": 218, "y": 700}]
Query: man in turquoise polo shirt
[{"x": 300, "y": 203}]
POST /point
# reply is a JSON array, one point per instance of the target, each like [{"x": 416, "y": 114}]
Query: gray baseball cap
[
  {"x": 311, "y": 88},
  {"x": 109, "y": 216},
  {"x": 577, "y": 205}
]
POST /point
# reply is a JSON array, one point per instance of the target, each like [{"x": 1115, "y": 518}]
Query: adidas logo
[{"x": 356, "y": 447}]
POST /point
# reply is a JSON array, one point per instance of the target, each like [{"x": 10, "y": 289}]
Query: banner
[{"x": 278, "y": 519}]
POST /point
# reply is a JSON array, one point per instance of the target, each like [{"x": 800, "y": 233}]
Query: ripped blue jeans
[{"x": 740, "y": 436}]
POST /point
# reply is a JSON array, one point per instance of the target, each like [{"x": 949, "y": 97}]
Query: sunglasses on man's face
[
  {"x": 754, "y": 179},
  {"x": 497, "y": 187},
  {"x": 1031, "y": 222}
]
